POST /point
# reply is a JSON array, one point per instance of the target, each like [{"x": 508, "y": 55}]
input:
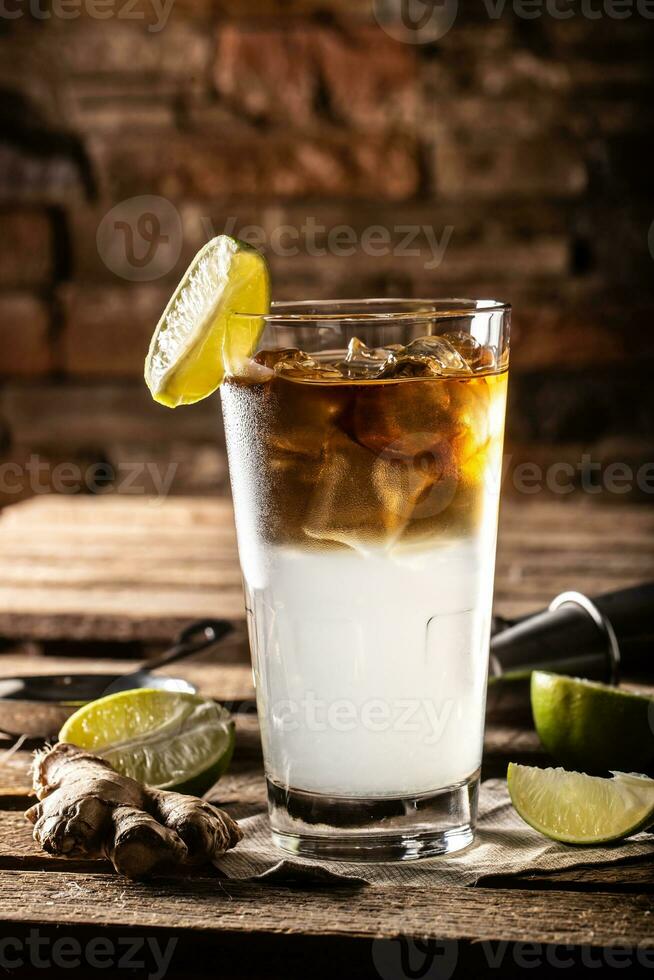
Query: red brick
[
  {"x": 475, "y": 117},
  {"x": 332, "y": 164},
  {"x": 73, "y": 417},
  {"x": 486, "y": 61},
  {"x": 236, "y": 9},
  {"x": 459, "y": 262},
  {"x": 267, "y": 73},
  {"x": 119, "y": 72},
  {"x": 360, "y": 75},
  {"x": 107, "y": 330},
  {"x": 519, "y": 72},
  {"x": 546, "y": 168},
  {"x": 24, "y": 341},
  {"x": 137, "y": 240},
  {"x": 209, "y": 11},
  {"x": 508, "y": 245},
  {"x": 521, "y": 221},
  {"x": 604, "y": 38},
  {"x": 369, "y": 77},
  {"x": 613, "y": 76},
  {"x": 563, "y": 332},
  {"x": 46, "y": 176},
  {"x": 113, "y": 115},
  {"x": 199, "y": 221},
  {"x": 132, "y": 47},
  {"x": 472, "y": 117},
  {"x": 207, "y": 116},
  {"x": 26, "y": 248}
]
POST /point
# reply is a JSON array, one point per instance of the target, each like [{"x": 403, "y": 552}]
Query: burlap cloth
[{"x": 504, "y": 845}]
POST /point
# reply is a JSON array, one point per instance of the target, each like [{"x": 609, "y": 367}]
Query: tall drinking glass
[{"x": 365, "y": 445}]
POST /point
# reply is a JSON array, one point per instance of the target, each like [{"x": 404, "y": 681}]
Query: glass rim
[{"x": 363, "y": 310}]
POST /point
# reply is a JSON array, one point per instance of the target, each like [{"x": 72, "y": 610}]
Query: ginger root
[{"x": 88, "y": 809}]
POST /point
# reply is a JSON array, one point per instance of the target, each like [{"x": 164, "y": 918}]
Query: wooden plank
[
  {"x": 637, "y": 876},
  {"x": 19, "y": 852},
  {"x": 130, "y": 568},
  {"x": 245, "y": 784},
  {"x": 87, "y": 627},
  {"x": 114, "y": 601},
  {"x": 116, "y": 567},
  {"x": 74, "y": 416},
  {"x": 15, "y": 775},
  {"x": 52, "y": 509},
  {"x": 212, "y": 906},
  {"x": 226, "y": 682}
]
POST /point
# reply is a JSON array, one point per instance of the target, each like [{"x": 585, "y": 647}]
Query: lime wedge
[
  {"x": 590, "y": 726},
  {"x": 579, "y": 809},
  {"x": 198, "y": 335},
  {"x": 160, "y": 738}
]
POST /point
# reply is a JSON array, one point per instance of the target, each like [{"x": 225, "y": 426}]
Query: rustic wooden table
[{"x": 129, "y": 573}]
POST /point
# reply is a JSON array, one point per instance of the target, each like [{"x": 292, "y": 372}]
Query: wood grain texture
[
  {"x": 120, "y": 568},
  {"x": 212, "y": 905},
  {"x": 225, "y": 682},
  {"x": 244, "y": 784}
]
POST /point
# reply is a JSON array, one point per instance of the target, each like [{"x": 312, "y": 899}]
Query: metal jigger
[{"x": 603, "y": 639}]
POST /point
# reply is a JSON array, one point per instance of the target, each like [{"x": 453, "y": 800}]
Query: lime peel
[
  {"x": 166, "y": 739},
  {"x": 198, "y": 335},
  {"x": 593, "y": 727},
  {"x": 575, "y": 808}
]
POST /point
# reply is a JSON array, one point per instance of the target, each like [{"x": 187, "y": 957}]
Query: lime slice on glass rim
[
  {"x": 593, "y": 727},
  {"x": 197, "y": 334},
  {"x": 578, "y": 809},
  {"x": 166, "y": 739}
]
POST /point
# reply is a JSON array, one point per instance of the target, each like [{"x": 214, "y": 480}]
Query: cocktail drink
[{"x": 365, "y": 445}]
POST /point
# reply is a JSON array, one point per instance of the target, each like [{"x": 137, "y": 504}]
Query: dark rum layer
[{"x": 362, "y": 463}]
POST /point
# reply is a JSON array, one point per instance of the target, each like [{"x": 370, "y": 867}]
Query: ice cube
[
  {"x": 439, "y": 355},
  {"x": 253, "y": 371},
  {"x": 363, "y": 362},
  {"x": 489, "y": 359},
  {"x": 405, "y": 366},
  {"x": 297, "y": 364},
  {"x": 478, "y": 357},
  {"x": 402, "y": 416},
  {"x": 471, "y": 409},
  {"x": 300, "y": 417},
  {"x": 268, "y": 358},
  {"x": 306, "y": 368},
  {"x": 360, "y": 497}
]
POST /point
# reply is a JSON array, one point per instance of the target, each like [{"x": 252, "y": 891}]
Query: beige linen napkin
[{"x": 504, "y": 845}]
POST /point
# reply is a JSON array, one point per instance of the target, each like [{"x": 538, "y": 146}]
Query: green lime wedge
[
  {"x": 590, "y": 726},
  {"x": 160, "y": 738},
  {"x": 198, "y": 335},
  {"x": 579, "y": 809}
]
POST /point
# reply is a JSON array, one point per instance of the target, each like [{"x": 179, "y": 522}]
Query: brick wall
[{"x": 516, "y": 151}]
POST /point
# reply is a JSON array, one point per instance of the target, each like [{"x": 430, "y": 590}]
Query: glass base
[{"x": 378, "y": 829}]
